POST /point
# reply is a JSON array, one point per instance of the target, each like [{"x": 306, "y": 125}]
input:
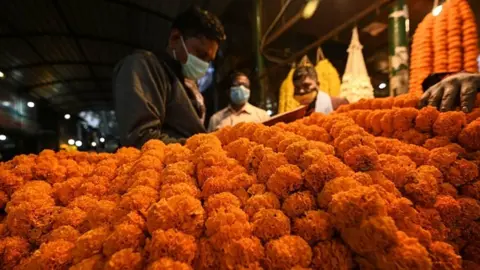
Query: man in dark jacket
[{"x": 155, "y": 96}]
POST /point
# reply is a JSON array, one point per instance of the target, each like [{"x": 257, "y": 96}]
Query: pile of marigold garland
[{"x": 368, "y": 189}]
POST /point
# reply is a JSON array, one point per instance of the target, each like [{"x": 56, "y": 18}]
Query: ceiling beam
[
  {"x": 66, "y": 81},
  {"x": 78, "y": 103},
  {"x": 138, "y": 7},
  {"x": 68, "y": 35},
  {"x": 81, "y": 93},
  {"x": 378, "y": 4},
  {"x": 82, "y": 100},
  {"x": 30, "y": 45},
  {"x": 78, "y": 107},
  {"x": 58, "y": 63},
  {"x": 73, "y": 103},
  {"x": 337, "y": 30},
  {"x": 88, "y": 99},
  {"x": 81, "y": 49}
]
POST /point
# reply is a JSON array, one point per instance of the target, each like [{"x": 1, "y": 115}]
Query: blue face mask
[
  {"x": 239, "y": 94},
  {"x": 195, "y": 68}
]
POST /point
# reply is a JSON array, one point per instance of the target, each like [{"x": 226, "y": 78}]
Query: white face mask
[
  {"x": 195, "y": 68},
  {"x": 239, "y": 94}
]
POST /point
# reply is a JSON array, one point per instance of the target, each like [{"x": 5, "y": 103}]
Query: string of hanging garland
[{"x": 445, "y": 41}]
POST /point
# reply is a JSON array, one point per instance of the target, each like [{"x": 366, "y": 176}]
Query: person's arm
[
  {"x": 212, "y": 124},
  {"x": 140, "y": 89},
  {"x": 338, "y": 101}
]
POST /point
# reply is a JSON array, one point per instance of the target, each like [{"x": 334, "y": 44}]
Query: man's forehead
[
  {"x": 303, "y": 79},
  {"x": 209, "y": 46},
  {"x": 242, "y": 78}
]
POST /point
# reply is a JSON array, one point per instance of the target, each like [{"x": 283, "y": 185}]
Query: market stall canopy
[{"x": 64, "y": 51}]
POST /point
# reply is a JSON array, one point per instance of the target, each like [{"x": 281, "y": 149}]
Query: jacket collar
[{"x": 175, "y": 65}]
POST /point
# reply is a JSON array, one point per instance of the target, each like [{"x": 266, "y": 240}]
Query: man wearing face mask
[
  {"x": 155, "y": 94},
  {"x": 239, "y": 110},
  {"x": 307, "y": 91}
]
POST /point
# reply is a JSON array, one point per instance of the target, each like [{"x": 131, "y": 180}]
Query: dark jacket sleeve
[{"x": 141, "y": 89}]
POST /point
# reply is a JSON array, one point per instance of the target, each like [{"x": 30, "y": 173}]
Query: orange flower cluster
[
  {"x": 402, "y": 101},
  {"x": 421, "y": 65},
  {"x": 444, "y": 43},
  {"x": 454, "y": 37},
  {"x": 319, "y": 193},
  {"x": 419, "y": 127},
  {"x": 439, "y": 39},
  {"x": 470, "y": 36}
]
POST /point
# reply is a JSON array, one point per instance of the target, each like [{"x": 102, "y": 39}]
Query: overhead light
[
  {"x": 437, "y": 10},
  {"x": 269, "y": 112},
  {"x": 71, "y": 141},
  {"x": 30, "y": 104},
  {"x": 2, "y": 75},
  {"x": 67, "y": 116},
  {"x": 310, "y": 8},
  {"x": 3, "y": 137},
  {"x": 382, "y": 86},
  {"x": 78, "y": 143},
  {"x": 102, "y": 140},
  {"x": 6, "y": 103},
  {"x": 94, "y": 144}
]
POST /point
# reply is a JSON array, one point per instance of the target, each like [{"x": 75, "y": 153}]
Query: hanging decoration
[
  {"x": 327, "y": 75},
  {"x": 445, "y": 41},
  {"x": 286, "y": 102},
  {"x": 356, "y": 83}
]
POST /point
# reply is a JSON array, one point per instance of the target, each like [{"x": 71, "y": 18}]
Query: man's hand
[{"x": 457, "y": 90}]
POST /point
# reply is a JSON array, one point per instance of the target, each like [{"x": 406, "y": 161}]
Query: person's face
[
  {"x": 305, "y": 86},
  {"x": 240, "y": 98},
  {"x": 241, "y": 80},
  {"x": 201, "y": 47}
]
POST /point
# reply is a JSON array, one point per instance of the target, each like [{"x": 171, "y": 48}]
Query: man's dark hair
[
  {"x": 195, "y": 22},
  {"x": 237, "y": 74},
  {"x": 304, "y": 72}
]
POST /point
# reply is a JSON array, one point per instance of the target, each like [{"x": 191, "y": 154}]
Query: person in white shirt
[
  {"x": 307, "y": 91},
  {"x": 239, "y": 110}
]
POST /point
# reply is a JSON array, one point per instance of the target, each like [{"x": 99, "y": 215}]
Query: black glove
[{"x": 456, "y": 90}]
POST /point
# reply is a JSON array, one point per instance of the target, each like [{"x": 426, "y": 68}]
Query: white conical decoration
[{"x": 356, "y": 82}]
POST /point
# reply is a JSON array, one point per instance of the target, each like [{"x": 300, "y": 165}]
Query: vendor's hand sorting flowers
[{"x": 458, "y": 90}]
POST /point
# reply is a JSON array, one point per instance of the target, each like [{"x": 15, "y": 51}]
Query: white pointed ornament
[{"x": 356, "y": 83}]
